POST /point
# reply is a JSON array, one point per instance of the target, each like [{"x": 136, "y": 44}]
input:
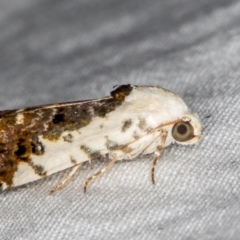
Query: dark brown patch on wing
[
  {"x": 90, "y": 152},
  {"x": 121, "y": 92},
  {"x": 19, "y": 139},
  {"x": 112, "y": 145},
  {"x": 68, "y": 138},
  {"x": 136, "y": 135},
  {"x": 142, "y": 124},
  {"x": 59, "y": 117},
  {"x": 39, "y": 170},
  {"x": 73, "y": 161},
  {"x": 37, "y": 147},
  {"x": 126, "y": 150},
  {"x": 7, "y": 166},
  {"x": 126, "y": 124}
]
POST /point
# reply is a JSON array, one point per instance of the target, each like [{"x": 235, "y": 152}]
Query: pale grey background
[{"x": 55, "y": 51}]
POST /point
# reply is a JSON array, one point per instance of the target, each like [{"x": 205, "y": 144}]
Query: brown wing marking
[{"x": 19, "y": 140}]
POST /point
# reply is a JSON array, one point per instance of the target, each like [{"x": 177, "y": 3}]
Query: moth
[{"x": 38, "y": 141}]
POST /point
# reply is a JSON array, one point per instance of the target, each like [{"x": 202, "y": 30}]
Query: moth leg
[
  {"x": 66, "y": 179},
  {"x": 157, "y": 153},
  {"x": 99, "y": 173}
]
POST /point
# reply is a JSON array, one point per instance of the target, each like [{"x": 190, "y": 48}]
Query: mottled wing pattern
[
  {"x": 23, "y": 133},
  {"x": 38, "y": 141}
]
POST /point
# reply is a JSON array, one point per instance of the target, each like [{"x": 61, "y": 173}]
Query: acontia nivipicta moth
[{"x": 38, "y": 141}]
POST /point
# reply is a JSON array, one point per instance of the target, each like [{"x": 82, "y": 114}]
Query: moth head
[{"x": 188, "y": 130}]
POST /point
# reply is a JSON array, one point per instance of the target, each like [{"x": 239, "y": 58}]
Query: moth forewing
[{"x": 38, "y": 141}]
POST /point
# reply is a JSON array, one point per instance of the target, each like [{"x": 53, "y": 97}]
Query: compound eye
[{"x": 182, "y": 131}]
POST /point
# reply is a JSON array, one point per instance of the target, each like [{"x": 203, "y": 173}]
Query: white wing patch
[{"x": 25, "y": 174}]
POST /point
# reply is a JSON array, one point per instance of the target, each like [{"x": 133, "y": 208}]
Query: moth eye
[{"x": 182, "y": 131}]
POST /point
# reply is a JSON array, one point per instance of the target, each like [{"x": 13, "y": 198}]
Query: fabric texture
[{"x": 57, "y": 51}]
